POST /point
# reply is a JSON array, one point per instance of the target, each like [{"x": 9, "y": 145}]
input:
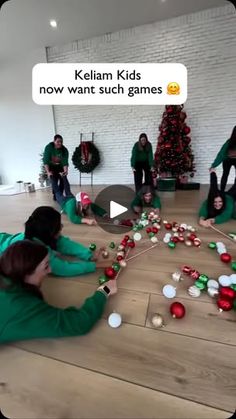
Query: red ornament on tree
[
  {"x": 228, "y": 293},
  {"x": 177, "y": 310},
  {"x": 110, "y": 272},
  {"x": 225, "y": 257},
  {"x": 187, "y": 129},
  {"x": 225, "y": 304}
]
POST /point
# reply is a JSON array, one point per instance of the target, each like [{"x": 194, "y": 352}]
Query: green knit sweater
[
  {"x": 69, "y": 207},
  {"x": 65, "y": 246},
  {"x": 222, "y": 155},
  {"x": 141, "y": 155},
  {"x": 25, "y": 316},
  {"x": 226, "y": 215},
  {"x": 55, "y": 156}
]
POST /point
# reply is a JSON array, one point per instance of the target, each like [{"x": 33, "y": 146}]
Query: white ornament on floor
[
  {"x": 212, "y": 283},
  {"x": 224, "y": 280},
  {"x": 213, "y": 292},
  {"x": 194, "y": 291},
  {"x": 137, "y": 237},
  {"x": 114, "y": 320},
  {"x": 169, "y": 291}
]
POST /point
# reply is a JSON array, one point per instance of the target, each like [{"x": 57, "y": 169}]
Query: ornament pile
[
  {"x": 180, "y": 233},
  {"x": 224, "y": 289},
  {"x": 111, "y": 272}
]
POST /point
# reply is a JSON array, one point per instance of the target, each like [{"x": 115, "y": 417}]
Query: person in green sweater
[
  {"x": 55, "y": 159},
  {"x": 226, "y": 156},
  {"x": 25, "y": 314},
  {"x": 44, "y": 225},
  {"x": 142, "y": 161},
  {"x": 146, "y": 197},
  {"x": 219, "y": 206},
  {"x": 80, "y": 208}
]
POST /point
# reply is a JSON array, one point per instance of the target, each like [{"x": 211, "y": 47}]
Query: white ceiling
[{"x": 24, "y": 24}]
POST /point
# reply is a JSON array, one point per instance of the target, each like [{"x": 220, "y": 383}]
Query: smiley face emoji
[{"x": 173, "y": 88}]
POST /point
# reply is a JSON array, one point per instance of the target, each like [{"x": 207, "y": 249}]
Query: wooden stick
[
  {"x": 143, "y": 251},
  {"x": 127, "y": 254},
  {"x": 222, "y": 233}
]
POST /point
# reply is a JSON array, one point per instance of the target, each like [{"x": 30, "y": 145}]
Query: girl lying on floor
[
  {"x": 44, "y": 225},
  {"x": 146, "y": 197},
  {"x": 24, "y": 313},
  {"x": 80, "y": 208},
  {"x": 219, "y": 207}
]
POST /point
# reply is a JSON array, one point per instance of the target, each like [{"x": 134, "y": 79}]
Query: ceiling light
[{"x": 53, "y": 23}]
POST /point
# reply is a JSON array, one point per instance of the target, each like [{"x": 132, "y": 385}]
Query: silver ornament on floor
[
  {"x": 212, "y": 292},
  {"x": 157, "y": 321},
  {"x": 194, "y": 292},
  {"x": 176, "y": 276}
]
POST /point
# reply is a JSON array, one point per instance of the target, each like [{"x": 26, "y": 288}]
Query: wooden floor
[{"x": 185, "y": 370}]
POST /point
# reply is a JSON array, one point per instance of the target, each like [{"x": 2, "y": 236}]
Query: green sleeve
[
  {"x": 37, "y": 319},
  {"x": 70, "y": 209},
  {"x": 65, "y": 157},
  {"x": 71, "y": 248},
  {"x": 228, "y": 213},
  {"x": 133, "y": 156},
  {"x": 137, "y": 202},
  {"x": 150, "y": 157},
  {"x": 47, "y": 155},
  {"x": 98, "y": 210},
  {"x": 221, "y": 155},
  {"x": 62, "y": 267},
  {"x": 156, "y": 202},
  {"x": 203, "y": 212}
]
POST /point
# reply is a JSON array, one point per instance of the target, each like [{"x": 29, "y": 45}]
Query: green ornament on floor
[
  {"x": 92, "y": 247},
  {"x": 140, "y": 227},
  {"x": 116, "y": 267},
  {"x": 151, "y": 235},
  {"x": 212, "y": 245},
  {"x": 171, "y": 245},
  {"x": 135, "y": 228},
  {"x": 102, "y": 279},
  {"x": 233, "y": 286},
  {"x": 203, "y": 278},
  {"x": 112, "y": 245},
  {"x": 144, "y": 215},
  {"x": 233, "y": 266},
  {"x": 200, "y": 285}
]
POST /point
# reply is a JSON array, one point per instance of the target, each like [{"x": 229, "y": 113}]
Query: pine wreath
[{"x": 86, "y": 157}]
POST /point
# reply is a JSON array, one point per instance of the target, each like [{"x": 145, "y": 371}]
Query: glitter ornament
[
  {"x": 157, "y": 320},
  {"x": 176, "y": 276}
]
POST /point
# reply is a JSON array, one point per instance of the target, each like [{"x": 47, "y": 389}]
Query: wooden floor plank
[
  {"x": 201, "y": 320},
  {"x": 54, "y": 390},
  {"x": 132, "y": 305},
  {"x": 186, "y": 367}
]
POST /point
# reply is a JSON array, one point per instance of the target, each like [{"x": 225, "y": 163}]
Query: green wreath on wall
[{"x": 86, "y": 157}]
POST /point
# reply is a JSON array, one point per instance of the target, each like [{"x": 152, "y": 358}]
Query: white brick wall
[{"x": 205, "y": 43}]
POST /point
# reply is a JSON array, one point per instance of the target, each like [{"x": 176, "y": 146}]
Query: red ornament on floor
[
  {"x": 126, "y": 238},
  {"x": 225, "y": 304},
  {"x": 225, "y": 257},
  {"x": 131, "y": 244},
  {"x": 177, "y": 310},
  {"x": 148, "y": 230},
  {"x": 168, "y": 226},
  {"x": 154, "y": 230},
  {"x": 227, "y": 292},
  {"x": 192, "y": 236},
  {"x": 119, "y": 258},
  {"x": 175, "y": 239},
  {"x": 186, "y": 270},
  {"x": 110, "y": 272},
  {"x": 195, "y": 275},
  {"x": 181, "y": 238}
]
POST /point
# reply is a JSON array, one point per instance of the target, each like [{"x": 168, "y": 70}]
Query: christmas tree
[{"x": 174, "y": 157}]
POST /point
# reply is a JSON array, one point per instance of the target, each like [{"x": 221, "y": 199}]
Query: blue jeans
[{"x": 57, "y": 190}]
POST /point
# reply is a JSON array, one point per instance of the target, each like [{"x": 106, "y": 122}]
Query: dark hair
[
  {"x": 44, "y": 224},
  {"x": 19, "y": 260},
  {"x": 81, "y": 212},
  {"x": 146, "y": 189},
  {"x": 214, "y": 192},
  {"x": 58, "y": 137},
  {"x": 147, "y": 145},
  {"x": 232, "y": 140}
]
